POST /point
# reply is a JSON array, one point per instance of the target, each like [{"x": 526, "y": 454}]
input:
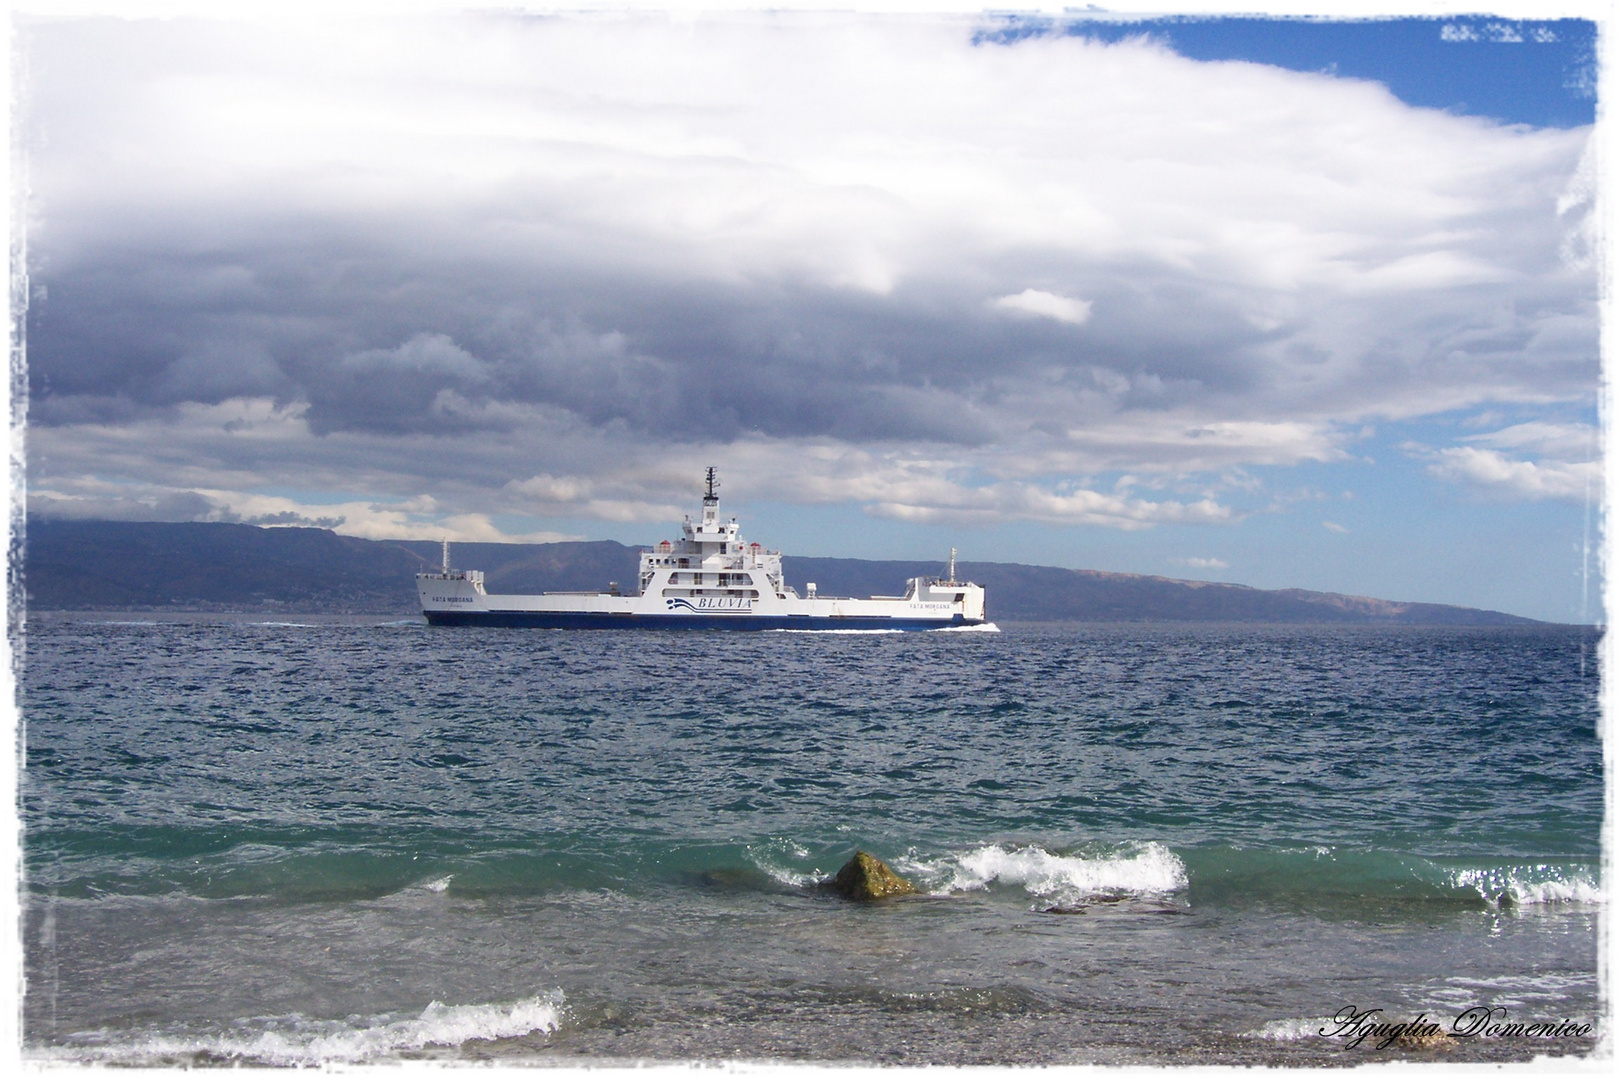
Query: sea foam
[
  {"x": 1293, "y": 1029},
  {"x": 1147, "y": 870},
  {"x": 1531, "y": 884},
  {"x": 298, "y": 1041}
]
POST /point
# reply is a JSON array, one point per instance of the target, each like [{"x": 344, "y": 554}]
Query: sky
[{"x": 1286, "y": 302}]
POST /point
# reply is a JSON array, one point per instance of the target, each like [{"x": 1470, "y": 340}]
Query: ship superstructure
[{"x": 710, "y": 578}]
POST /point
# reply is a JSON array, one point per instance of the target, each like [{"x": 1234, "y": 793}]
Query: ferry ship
[{"x": 709, "y": 579}]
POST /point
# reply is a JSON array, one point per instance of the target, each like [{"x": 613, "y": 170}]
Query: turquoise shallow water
[{"x": 291, "y": 841}]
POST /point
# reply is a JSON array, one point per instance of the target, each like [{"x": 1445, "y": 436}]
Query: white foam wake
[
  {"x": 977, "y": 628},
  {"x": 1538, "y": 884},
  {"x": 1147, "y": 870},
  {"x": 301, "y": 1042}
]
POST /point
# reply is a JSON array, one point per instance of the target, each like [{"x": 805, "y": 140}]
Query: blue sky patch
[{"x": 1537, "y": 72}]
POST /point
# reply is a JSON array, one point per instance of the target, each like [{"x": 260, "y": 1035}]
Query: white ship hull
[
  {"x": 454, "y": 600},
  {"x": 710, "y": 579}
]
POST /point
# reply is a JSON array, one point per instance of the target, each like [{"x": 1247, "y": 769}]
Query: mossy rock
[
  {"x": 867, "y": 878},
  {"x": 1429, "y": 1040}
]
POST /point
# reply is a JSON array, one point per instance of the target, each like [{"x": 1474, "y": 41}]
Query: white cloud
[
  {"x": 409, "y": 519},
  {"x": 1200, "y": 563},
  {"x": 1181, "y": 441},
  {"x": 577, "y": 496},
  {"x": 1046, "y": 305},
  {"x": 1493, "y": 471},
  {"x": 1532, "y": 460},
  {"x": 1566, "y": 441},
  {"x": 373, "y": 521},
  {"x": 1334, "y": 527},
  {"x": 1429, "y": 270},
  {"x": 1025, "y": 502}
]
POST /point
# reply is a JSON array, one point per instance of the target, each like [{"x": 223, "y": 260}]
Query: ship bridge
[{"x": 711, "y": 559}]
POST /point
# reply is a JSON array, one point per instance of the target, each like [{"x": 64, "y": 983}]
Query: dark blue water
[{"x": 302, "y": 841}]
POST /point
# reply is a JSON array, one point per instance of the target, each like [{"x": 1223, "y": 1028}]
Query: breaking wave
[
  {"x": 299, "y": 1041},
  {"x": 1149, "y": 869},
  {"x": 772, "y": 857},
  {"x": 1530, "y": 884}
]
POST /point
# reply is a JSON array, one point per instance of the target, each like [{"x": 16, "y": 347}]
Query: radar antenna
[{"x": 709, "y": 496}]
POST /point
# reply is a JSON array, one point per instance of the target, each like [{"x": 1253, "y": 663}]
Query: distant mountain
[
  {"x": 1020, "y": 593},
  {"x": 79, "y": 565},
  {"x": 115, "y": 564},
  {"x": 118, "y": 565}
]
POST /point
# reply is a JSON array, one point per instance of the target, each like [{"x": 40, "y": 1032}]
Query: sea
[{"x": 258, "y": 840}]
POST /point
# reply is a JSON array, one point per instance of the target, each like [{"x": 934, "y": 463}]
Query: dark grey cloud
[
  {"x": 167, "y": 506},
  {"x": 314, "y": 313}
]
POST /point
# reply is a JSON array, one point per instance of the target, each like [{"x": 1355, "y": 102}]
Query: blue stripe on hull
[{"x": 583, "y": 620}]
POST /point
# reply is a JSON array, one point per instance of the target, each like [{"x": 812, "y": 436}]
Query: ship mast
[
  {"x": 709, "y": 497},
  {"x": 444, "y": 553},
  {"x": 951, "y": 572}
]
